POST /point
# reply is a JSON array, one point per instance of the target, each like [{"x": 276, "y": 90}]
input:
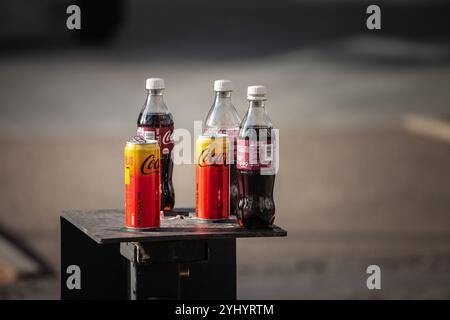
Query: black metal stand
[{"x": 184, "y": 259}]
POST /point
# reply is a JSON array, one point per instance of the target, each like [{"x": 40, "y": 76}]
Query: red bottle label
[
  {"x": 163, "y": 135},
  {"x": 254, "y": 155}
]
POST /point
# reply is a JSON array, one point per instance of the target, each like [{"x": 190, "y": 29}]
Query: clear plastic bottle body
[
  {"x": 155, "y": 122},
  {"x": 256, "y": 207},
  {"x": 223, "y": 118}
]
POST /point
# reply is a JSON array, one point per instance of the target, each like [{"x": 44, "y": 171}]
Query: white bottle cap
[
  {"x": 155, "y": 83},
  {"x": 256, "y": 93},
  {"x": 223, "y": 85}
]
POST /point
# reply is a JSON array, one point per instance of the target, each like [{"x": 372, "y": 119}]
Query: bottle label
[
  {"x": 254, "y": 155},
  {"x": 163, "y": 135}
]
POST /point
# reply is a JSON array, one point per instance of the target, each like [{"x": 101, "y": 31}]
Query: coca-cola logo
[
  {"x": 150, "y": 165},
  {"x": 209, "y": 157},
  {"x": 167, "y": 138}
]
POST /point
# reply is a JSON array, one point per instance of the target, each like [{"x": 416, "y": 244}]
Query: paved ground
[{"x": 354, "y": 187}]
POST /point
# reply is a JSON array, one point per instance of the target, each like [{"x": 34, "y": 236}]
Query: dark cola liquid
[
  {"x": 256, "y": 205},
  {"x": 256, "y": 208},
  {"x": 233, "y": 189},
  {"x": 162, "y": 120}
]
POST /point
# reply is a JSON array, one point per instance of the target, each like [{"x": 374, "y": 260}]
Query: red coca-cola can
[
  {"x": 142, "y": 190},
  {"x": 212, "y": 199}
]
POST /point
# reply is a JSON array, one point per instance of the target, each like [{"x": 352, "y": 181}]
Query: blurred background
[{"x": 363, "y": 117}]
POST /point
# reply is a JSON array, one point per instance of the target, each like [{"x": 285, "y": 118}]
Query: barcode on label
[
  {"x": 149, "y": 135},
  {"x": 268, "y": 152}
]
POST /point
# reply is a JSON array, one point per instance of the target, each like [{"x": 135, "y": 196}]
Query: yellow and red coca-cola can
[
  {"x": 212, "y": 175},
  {"x": 142, "y": 184}
]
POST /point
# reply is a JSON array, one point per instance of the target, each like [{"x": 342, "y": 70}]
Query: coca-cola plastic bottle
[
  {"x": 255, "y": 164},
  {"x": 155, "y": 122},
  {"x": 223, "y": 118}
]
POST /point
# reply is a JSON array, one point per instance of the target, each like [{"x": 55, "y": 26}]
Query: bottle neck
[
  {"x": 155, "y": 101},
  {"x": 257, "y": 104},
  {"x": 223, "y": 96},
  {"x": 222, "y": 102},
  {"x": 256, "y": 115},
  {"x": 155, "y": 94},
  {"x": 222, "y": 115}
]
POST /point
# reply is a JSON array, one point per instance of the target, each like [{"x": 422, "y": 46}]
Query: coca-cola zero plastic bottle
[
  {"x": 224, "y": 119},
  {"x": 155, "y": 122},
  {"x": 255, "y": 164}
]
